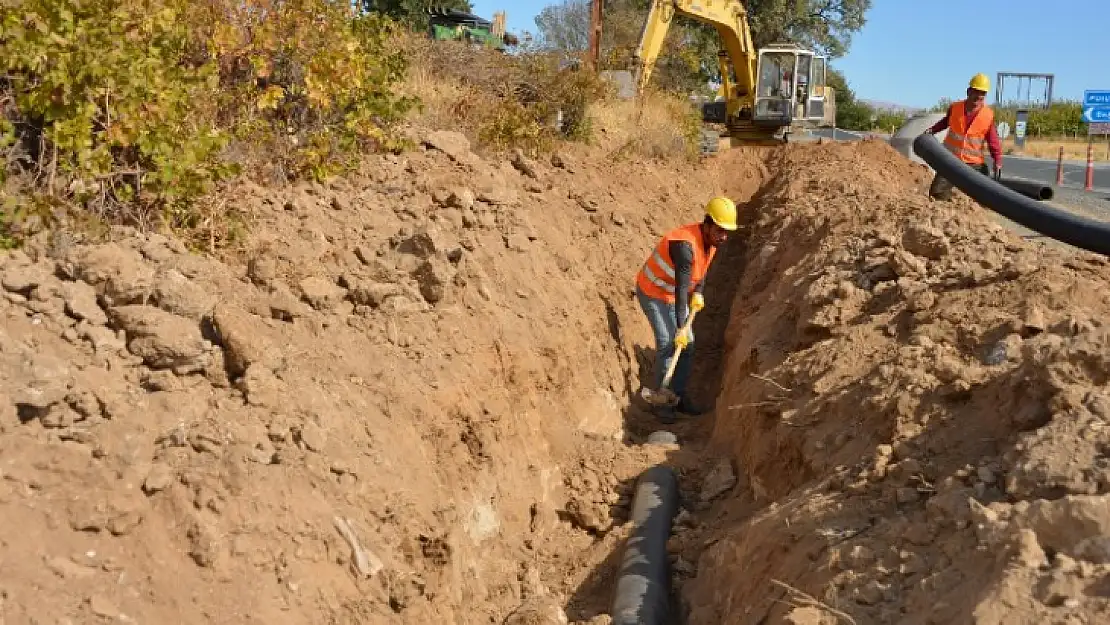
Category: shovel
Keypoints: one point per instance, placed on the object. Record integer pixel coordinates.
(664, 396)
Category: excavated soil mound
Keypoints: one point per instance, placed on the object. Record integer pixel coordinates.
(405, 402)
(913, 409)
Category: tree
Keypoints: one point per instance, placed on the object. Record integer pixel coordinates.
(565, 26)
(688, 60)
(826, 26)
(851, 114)
(413, 12)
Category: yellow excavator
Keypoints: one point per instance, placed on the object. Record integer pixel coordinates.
(767, 95)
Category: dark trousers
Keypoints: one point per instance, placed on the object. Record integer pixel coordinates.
(941, 189)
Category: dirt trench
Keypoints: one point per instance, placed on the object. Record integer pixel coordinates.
(912, 409)
(403, 399)
(407, 399)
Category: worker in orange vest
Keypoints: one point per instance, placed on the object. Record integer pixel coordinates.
(971, 128)
(670, 285)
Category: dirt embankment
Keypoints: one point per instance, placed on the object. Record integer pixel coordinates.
(433, 357)
(913, 399)
(432, 361)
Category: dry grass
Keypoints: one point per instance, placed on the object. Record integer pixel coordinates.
(658, 126)
(1074, 149)
(505, 102)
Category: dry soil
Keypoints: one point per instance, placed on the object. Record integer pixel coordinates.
(409, 400)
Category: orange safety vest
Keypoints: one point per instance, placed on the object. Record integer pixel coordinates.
(968, 143)
(657, 277)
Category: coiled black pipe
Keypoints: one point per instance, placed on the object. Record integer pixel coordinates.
(1082, 232)
(642, 595)
(1029, 189)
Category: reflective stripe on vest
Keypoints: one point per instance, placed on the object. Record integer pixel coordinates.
(966, 142)
(657, 277)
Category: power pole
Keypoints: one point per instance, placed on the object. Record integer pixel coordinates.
(594, 53)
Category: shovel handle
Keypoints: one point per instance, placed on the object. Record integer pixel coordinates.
(678, 352)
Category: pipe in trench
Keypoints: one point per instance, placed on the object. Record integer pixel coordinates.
(1082, 232)
(1029, 189)
(643, 589)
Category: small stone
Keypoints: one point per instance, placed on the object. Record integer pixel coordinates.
(103, 608)
(925, 241)
(1034, 321)
(321, 293)
(860, 556)
(23, 279)
(163, 340)
(125, 523)
(80, 303)
(517, 242)
(460, 198)
(807, 615)
(986, 475)
(159, 478)
(719, 481)
(433, 278)
(68, 569)
(313, 436)
(871, 593)
(451, 143)
(523, 164)
(906, 495)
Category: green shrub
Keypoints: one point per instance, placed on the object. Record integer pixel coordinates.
(128, 108)
(102, 93)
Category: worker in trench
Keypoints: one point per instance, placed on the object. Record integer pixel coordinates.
(971, 128)
(670, 285)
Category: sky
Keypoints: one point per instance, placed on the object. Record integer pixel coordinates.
(898, 56)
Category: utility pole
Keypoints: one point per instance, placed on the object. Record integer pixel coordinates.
(594, 53)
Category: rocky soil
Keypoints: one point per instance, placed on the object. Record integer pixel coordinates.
(914, 401)
(408, 399)
(404, 402)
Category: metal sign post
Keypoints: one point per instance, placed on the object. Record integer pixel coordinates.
(1020, 123)
(1096, 113)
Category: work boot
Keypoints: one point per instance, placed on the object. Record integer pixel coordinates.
(687, 407)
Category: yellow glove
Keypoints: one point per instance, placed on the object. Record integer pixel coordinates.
(697, 302)
(682, 339)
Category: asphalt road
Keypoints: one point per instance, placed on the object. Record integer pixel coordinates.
(1038, 169)
(1044, 170)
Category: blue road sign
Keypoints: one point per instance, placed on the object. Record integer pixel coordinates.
(1096, 98)
(1096, 114)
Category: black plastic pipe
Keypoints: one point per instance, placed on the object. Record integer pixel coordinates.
(1029, 189)
(643, 590)
(1082, 232)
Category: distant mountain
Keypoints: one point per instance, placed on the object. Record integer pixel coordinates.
(893, 107)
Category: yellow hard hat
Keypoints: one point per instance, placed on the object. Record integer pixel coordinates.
(722, 211)
(980, 82)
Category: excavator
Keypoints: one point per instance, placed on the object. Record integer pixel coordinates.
(767, 94)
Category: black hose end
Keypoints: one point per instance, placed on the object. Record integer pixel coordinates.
(642, 594)
(1082, 232)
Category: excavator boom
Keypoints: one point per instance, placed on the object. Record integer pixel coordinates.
(728, 17)
(764, 91)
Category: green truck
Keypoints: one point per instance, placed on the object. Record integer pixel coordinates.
(453, 25)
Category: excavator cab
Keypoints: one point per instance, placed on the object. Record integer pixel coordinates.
(791, 86)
